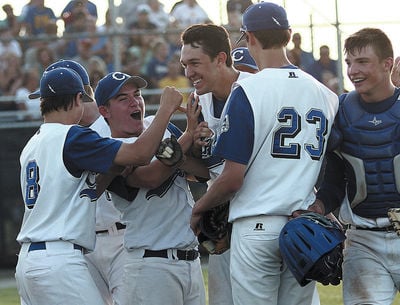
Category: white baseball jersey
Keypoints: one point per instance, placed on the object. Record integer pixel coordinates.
(215, 165)
(159, 218)
(60, 204)
(106, 213)
(290, 130)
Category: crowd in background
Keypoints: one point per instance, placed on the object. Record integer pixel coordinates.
(151, 49)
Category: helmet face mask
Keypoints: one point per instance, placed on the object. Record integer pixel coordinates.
(311, 246)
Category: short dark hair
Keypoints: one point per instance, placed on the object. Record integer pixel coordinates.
(212, 38)
(56, 103)
(373, 37)
(273, 38)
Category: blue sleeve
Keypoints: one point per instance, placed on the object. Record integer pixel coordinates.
(236, 141)
(84, 150)
(173, 129)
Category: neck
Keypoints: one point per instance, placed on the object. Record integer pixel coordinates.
(223, 88)
(271, 58)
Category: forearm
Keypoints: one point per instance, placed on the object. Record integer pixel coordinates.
(223, 188)
(143, 149)
(150, 176)
(332, 191)
(195, 167)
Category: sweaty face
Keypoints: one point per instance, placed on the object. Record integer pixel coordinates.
(368, 74)
(125, 112)
(201, 71)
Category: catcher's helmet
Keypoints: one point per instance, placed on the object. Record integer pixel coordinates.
(311, 246)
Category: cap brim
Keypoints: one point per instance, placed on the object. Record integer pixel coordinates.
(247, 65)
(34, 95)
(240, 38)
(138, 81)
(86, 98)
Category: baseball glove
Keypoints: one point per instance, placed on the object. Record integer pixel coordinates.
(215, 229)
(328, 269)
(170, 152)
(394, 218)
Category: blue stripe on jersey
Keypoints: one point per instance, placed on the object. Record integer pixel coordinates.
(84, 150)
(236, 144)
(173, 129)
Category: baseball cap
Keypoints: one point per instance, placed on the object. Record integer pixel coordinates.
(264, 16)
(67, 63)
(61, 81)
(109, 85)
(241, 56)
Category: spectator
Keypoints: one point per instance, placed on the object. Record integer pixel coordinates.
(173, 38)
(175, 77)
(44, 58)
(139, 26)
(78, 25)
(30, 83)
(101, 45)
(11, 21)
(238, 5)
(157, 66)
(10, 71)
(132, 64)
(128, 11)
(158, 15)
(300, 58)
(235, 9)
(85, 54)
(74, 7)
(189, 12)
(8, 44)
(325, 63)
(37, 17)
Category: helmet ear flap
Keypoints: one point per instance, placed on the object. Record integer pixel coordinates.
(311, 246)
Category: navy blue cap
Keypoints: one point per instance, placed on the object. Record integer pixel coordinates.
(241, 56)
(66, 63)
(264, 16)
(61, 81)
(109, 85)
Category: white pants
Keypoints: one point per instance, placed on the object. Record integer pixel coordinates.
(258, 274)
(106, 265)
(167, 281)
(219, 279)
(55, 275)
(371, 267)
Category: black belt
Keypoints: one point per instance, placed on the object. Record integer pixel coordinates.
(41, 245)
(119, 226)
(382, 229)
(189, 255)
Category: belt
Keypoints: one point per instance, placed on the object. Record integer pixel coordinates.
(119, 226)
(381, 229)
(188, 255)
(41, 245)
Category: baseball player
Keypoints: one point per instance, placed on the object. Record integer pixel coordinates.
(243, 61)
(205, 56)
(273, 135)
(219, 290)
(106, 261)
(58, 166)
(163, 265)
(361, 171)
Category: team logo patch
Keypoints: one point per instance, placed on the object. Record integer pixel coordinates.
(375, 121)
(225, 124)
